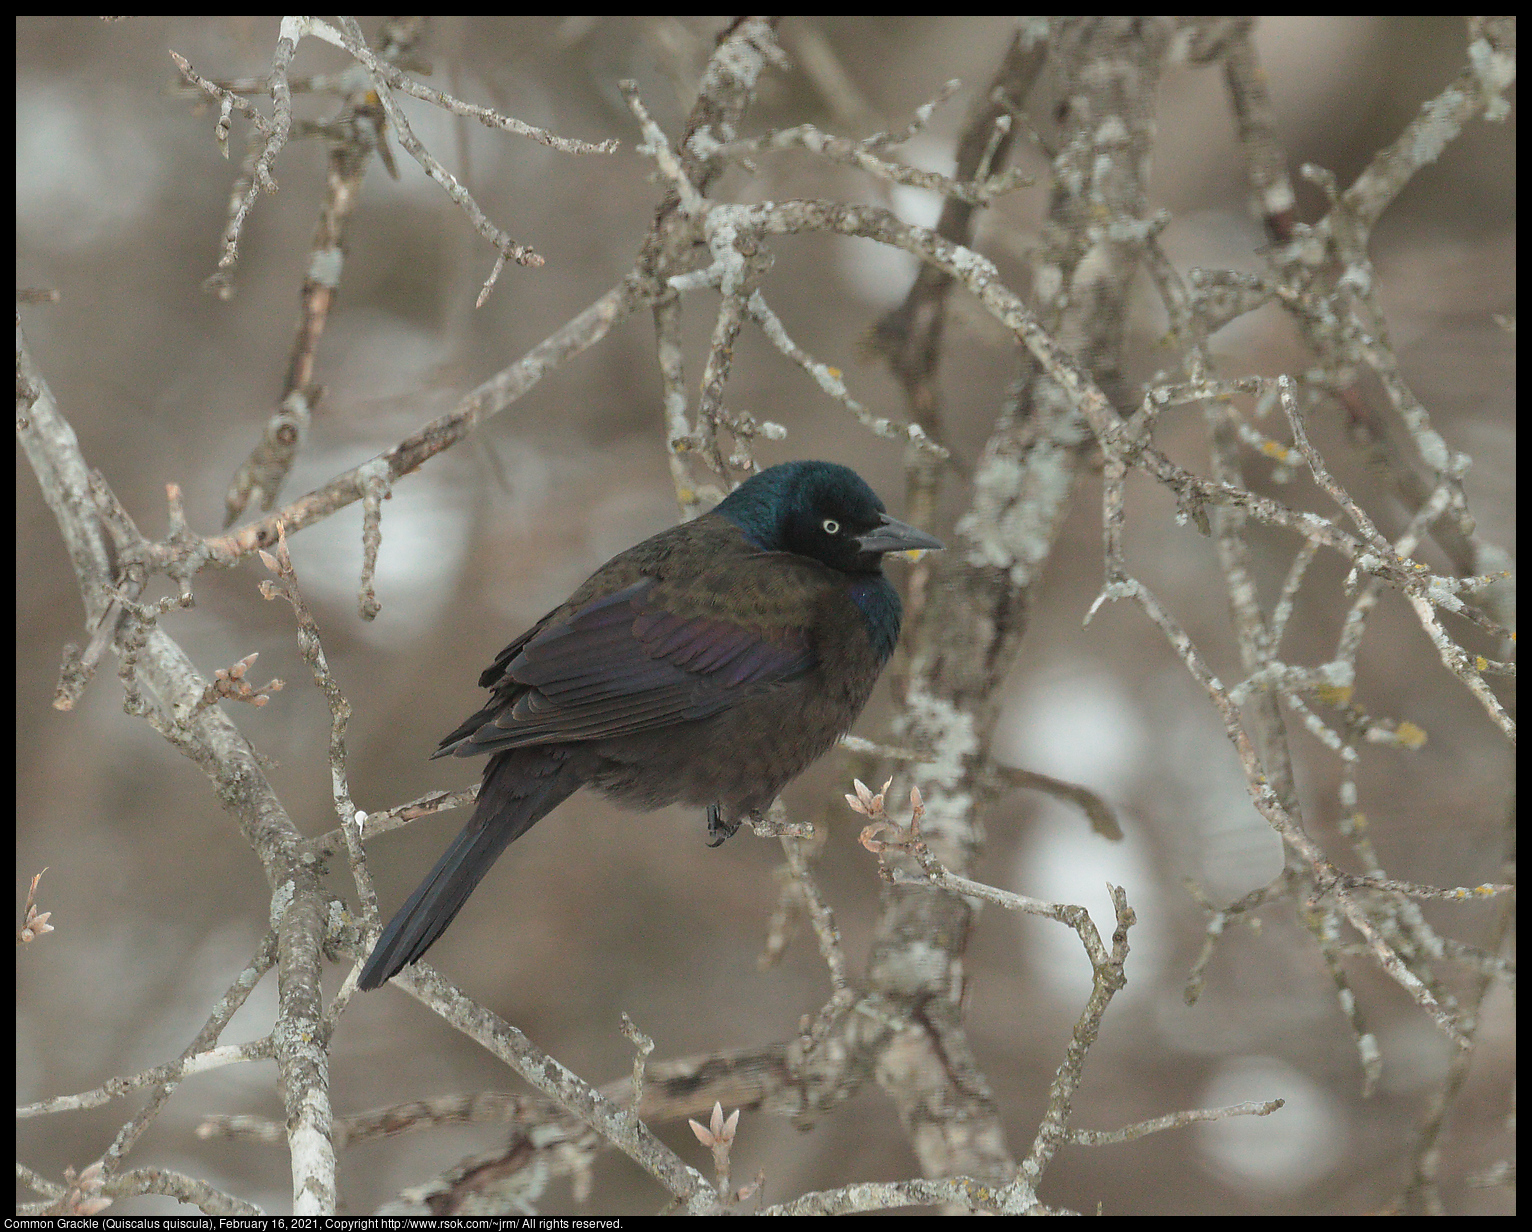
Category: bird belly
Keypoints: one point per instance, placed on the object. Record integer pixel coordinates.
(739, 758)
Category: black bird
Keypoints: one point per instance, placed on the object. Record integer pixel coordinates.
(709, 664)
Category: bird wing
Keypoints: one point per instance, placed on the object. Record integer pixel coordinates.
(626, 663)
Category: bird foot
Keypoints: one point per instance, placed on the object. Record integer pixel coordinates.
(720, 828)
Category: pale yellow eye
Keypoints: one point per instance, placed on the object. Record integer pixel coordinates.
(830, 526)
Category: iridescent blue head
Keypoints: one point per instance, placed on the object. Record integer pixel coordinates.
(823, 510)
(826, 511)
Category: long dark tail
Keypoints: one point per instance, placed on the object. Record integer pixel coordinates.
(520, 787)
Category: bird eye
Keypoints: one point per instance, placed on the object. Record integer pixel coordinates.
(830, 526)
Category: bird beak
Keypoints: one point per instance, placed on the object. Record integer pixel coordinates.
(892, 535)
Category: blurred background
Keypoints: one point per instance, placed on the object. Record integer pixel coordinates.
(157, 902)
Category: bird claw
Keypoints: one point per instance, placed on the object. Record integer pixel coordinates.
(718, 829)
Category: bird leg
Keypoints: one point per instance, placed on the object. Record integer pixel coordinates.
(719, 828)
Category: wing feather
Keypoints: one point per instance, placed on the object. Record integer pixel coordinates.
(625, 663)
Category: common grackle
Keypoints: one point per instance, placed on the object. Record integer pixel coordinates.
(709, 664)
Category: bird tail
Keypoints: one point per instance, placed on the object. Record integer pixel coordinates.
(520, 787)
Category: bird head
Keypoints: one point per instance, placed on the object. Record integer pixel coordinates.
(821, 510)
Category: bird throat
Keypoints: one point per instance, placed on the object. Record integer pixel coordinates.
(878, 601)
